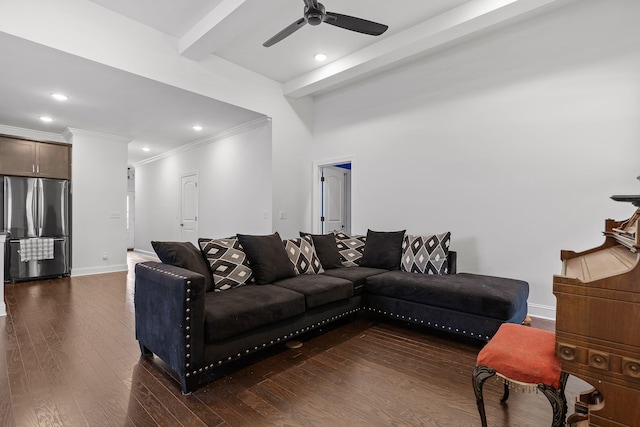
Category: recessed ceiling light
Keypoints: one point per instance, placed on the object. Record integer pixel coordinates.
(46, 119)
(59, 96)
(197, 128)
(146, 149)
(320, 57)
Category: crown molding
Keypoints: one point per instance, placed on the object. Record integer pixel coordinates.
(69, 133)
(242, 128)
(32, 134)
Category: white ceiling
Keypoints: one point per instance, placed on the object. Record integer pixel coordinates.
(105, 100)
(255, 21)
(112, 101)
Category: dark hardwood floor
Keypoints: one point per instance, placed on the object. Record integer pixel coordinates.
(70, 358)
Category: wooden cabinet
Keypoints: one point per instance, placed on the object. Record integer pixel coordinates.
(597, 318)
(30, 158)
(53, 161)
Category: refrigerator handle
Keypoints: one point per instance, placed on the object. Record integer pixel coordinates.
(30, 207)
(40, 204)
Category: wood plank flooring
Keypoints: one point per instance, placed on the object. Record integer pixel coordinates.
(70, 358)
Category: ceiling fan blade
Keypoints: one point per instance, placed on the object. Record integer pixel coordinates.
(355, 24)
(285, 33)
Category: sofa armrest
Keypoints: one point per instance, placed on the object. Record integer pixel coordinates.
(169, 313)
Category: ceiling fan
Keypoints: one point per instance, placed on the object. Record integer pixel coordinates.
(315, 14)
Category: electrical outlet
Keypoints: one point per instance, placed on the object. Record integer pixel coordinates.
(283, 214)
(105, 256)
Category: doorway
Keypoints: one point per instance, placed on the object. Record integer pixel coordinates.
(189, 207)
(335, 198)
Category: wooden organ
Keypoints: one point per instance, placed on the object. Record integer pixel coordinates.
(598, 324)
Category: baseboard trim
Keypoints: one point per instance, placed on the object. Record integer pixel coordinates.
(75, 272)
(542, 311)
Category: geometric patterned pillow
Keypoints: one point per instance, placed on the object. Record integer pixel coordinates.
(350, 248)
(303, 255)
(229, 264)
(426, 254)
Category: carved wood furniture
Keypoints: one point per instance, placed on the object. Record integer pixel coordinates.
(523, 357)
(598, 324)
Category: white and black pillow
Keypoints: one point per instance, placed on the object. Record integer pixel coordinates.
(229, 264)
(426, 254)
(351, 248)
(302, 254)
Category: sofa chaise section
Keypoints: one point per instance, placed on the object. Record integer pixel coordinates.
(467, 304)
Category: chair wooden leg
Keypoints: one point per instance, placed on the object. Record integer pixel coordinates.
(505, 395)
(557, 399)
(480, 375)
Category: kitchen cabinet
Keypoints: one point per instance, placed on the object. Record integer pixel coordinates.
(30, 158)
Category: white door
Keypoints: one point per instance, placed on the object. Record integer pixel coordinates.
(189, 208)
(336, 199)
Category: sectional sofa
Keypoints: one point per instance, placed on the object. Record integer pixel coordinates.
(200, 308)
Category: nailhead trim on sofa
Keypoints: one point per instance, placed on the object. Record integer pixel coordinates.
(422, 322)
(274, 341)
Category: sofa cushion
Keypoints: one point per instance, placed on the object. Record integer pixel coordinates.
(184, 255)
(248, 307)
(267, 257)
(326, 249)
(350, 248)
(426, 254)
(318, 289)
(355, 275)
(228, 262)
(383, 249)
(488, 296)
(303, 255)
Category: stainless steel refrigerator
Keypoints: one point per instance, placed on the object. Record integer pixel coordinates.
(36, 216)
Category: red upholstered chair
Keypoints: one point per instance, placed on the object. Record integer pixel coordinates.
(523, 357)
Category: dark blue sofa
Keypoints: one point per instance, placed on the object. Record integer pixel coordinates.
(195, 331)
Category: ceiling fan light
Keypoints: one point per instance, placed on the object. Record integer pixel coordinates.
(320, 57)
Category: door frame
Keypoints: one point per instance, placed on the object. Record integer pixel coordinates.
(316, 202)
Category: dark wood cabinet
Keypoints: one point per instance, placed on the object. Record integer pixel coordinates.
(30, 158)
(597, 318)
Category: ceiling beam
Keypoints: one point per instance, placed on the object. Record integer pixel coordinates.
(203, 37)
(456, 25)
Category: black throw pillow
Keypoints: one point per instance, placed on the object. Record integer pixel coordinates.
(326, 249)
(383, 249)
(267, 257)
(184, 255)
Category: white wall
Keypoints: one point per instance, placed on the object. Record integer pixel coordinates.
(235, 182)
(513, 141)
(99, 189)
